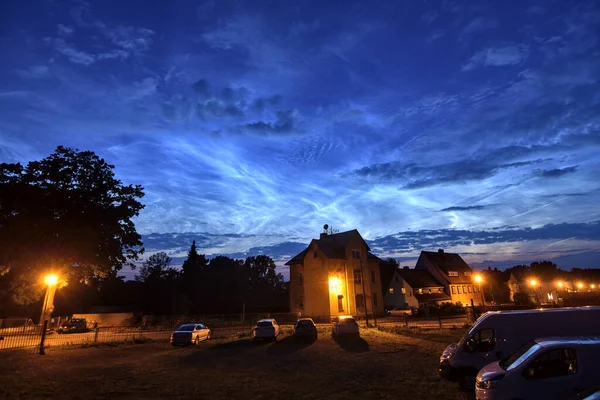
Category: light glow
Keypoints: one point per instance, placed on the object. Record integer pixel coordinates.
(51, 279)
(560, 284)
(334, 284)
(533, 282)
(478, 278)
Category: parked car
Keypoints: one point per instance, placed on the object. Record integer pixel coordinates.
(188, 334)
(550, 368)
(345, 325)
(498, 334)
(401, 312)
(305, 328)
(74, 325)
(266, 329)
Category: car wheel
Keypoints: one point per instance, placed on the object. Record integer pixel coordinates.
(197, 341)
(208, 336)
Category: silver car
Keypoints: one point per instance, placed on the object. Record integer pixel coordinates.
(190, 334)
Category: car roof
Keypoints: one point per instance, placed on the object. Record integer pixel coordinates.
(559, 341)
(266, 320)
(345, 316)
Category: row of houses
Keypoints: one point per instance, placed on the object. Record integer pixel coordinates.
(338, 274)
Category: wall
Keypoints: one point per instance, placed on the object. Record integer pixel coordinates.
(296, 289)
(107, 319)
(316, 284)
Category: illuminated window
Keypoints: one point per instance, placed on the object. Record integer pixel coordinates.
(439, 290)
(464, 289)
(391, 290)
(340, 303)
(403, 290)
(357, 276)
(550, 296)
(429, 290)
(469, 288)
(452, 273)
(420, 291)
(458, 289)
(453, 289)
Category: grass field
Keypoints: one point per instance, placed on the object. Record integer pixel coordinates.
(379, 365)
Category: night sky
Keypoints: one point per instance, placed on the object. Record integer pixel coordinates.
(472, 126)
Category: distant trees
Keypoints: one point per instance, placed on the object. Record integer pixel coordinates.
(67, 213)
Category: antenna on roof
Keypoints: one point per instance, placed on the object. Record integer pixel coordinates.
(325, 227)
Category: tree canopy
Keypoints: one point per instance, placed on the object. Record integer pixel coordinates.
(67, 213)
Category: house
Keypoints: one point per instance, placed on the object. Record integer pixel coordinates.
(426, 290)
(540, 291)
(335, 275)
(454, 274)
(399, 293)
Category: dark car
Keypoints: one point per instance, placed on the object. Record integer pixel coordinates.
(305, 328)
(74, 325)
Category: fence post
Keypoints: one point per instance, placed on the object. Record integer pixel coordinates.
(43, 339)
(406, 320)
(96, 335)
(440, 319)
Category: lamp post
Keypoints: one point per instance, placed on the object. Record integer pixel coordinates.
(478, 280)
(533, 284)
(51, 280)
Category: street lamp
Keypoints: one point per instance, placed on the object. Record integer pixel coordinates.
(478, 279)
(560, 284)
(51, 280)
(580, 285)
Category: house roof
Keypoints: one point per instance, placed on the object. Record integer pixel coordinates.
(334, 246)
(418, 278)
(447, 261)
(372, 256)
(427, 297)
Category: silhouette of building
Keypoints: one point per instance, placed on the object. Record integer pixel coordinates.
(335, 275)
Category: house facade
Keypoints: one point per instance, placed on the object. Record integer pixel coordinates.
(400, 294)
(335, 275)
(454, 274)
(425, 288)
(540, 291)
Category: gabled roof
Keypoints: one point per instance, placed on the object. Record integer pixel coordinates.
(418, 278)
(447, 261)
(334, 246)
(371, 256)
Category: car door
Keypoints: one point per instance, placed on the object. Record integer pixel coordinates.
(480, 348)
(553, 374)
(203, 331)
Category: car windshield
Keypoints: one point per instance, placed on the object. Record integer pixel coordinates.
(347, 321)
(305, 323)
(187, 327)
(519, 356)
(265, 324)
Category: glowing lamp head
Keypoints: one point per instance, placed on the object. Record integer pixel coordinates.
(580, 285)
(51, 279)
(560, 284)
(533, 282)
(334, 284)
(593, 286)
(478, 278)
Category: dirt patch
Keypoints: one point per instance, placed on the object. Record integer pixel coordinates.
(376, 365)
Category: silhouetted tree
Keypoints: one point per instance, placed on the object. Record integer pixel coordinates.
(386, 271)
(192, 270)
(156, 268)
(72, 210)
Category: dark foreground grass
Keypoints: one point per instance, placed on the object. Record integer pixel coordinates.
(378, 365)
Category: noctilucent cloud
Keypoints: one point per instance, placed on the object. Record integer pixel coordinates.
(472, 126)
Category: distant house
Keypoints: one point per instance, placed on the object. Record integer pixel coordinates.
(425, 288)
(399, 293)
(540, 291)
(454, 274)
(335, 275)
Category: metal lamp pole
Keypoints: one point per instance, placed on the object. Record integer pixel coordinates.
(48, 306)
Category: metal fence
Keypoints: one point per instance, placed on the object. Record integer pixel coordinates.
(24, 338)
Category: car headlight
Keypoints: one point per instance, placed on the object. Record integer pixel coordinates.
(490, 383)
(446, 355)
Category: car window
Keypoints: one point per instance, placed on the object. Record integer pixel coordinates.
(347, 321)
(504, 364)
(305, 323)
(552, 364)
(187, 327)
(482, 340)
(265, 324)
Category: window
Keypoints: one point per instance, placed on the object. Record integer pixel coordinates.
(467, 273)
(420, 291)
(469, 287)
(315, 254)
(356, 254)
(439, 290)
(464, 289)
(373, 276)
(340, 303)
(452, 273)
(453, 289)
(300, 278)
(301, 303)
(458, 289)
(360, 302)
(403, 290)
(396, 279)
(483, 340)
(552, 364)
(429, 290)
(357, 276)
(391, 290)
(374, 299)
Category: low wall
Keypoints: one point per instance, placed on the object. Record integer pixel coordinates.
(107, 319)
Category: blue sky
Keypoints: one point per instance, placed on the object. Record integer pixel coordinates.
(473, 126)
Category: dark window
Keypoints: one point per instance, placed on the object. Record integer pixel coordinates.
(396, 279)
(301, 303)
(300, 278)
(429, 290)
(360, 301)
(483, 340)
(453, 289)
(357, 276)
(340, 303)
(374, 299)
(553, 363)
(355, 254)
(373, 276)
(469, 288)
(315, 254)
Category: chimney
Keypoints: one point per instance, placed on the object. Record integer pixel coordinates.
(323, 235)
(441, 251)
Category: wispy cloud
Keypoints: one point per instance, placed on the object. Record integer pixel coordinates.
(467, 208)
(498, 56)
(555, 173)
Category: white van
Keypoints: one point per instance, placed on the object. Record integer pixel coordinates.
(498, 334)
(551, 368)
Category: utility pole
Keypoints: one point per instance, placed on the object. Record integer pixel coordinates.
(362, 277)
